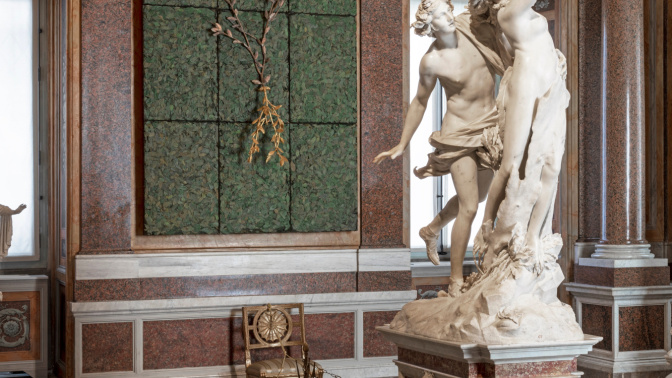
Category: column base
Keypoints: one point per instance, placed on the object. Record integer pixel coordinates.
(622, 273)
(420, 355)
(622, 252)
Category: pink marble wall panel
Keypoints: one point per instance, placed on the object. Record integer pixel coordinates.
(382, 55)
(641, 328)
(184, 287)
(622, 277)
(106, 126)
(174, 344)
(384, 281)
(596, 321)
(375, 344)
(623, 124)
(590, 103)
(107, 347)
(331, 336)
(535, 369)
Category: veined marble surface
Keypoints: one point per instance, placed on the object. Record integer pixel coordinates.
(100, 267)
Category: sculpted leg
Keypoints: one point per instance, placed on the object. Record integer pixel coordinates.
(549, 183)
(465, 178)
(519, 114)
(430, 233)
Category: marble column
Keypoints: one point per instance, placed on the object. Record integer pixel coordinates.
(622, 131)
(621, 293)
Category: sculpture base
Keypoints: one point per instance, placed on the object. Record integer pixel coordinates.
(419, 355)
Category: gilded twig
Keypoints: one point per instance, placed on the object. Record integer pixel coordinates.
(267, 112)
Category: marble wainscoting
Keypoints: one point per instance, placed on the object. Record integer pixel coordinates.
(201, 337)
(180, 313)
(185, 275)
(634, 322)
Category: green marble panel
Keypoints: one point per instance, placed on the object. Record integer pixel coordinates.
(323, 69)
(181, 184)
(324, 177)
(254, 197)
(180, 64)
(238, 97)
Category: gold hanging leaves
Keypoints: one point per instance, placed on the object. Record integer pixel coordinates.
(268, 114)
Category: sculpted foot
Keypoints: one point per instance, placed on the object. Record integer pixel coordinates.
(455, 288)
(430, 241)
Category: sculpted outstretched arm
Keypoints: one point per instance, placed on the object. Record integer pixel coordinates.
(415, 112)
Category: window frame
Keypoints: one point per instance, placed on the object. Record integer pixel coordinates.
(40, 144)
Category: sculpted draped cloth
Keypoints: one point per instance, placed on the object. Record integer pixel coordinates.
(481, 135)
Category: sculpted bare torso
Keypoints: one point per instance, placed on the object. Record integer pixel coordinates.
(469, 86)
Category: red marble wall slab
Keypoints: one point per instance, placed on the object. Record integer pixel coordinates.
(214, 286)
(596, 321)
(107, 347)
(590, 118)
(172, 344)
(622, 277)
(382, 101)
(106, 180)
(375, 344)
(384, 281)
(641, 328)
(443, 365)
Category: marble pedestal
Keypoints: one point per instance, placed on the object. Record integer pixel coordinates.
(418, 355)
(629, 304)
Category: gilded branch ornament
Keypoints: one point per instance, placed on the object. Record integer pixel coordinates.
(268, 113)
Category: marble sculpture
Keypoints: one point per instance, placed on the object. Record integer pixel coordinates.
(513, 297)
(6, 230)
(468, 79)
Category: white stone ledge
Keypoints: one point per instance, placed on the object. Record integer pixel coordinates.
(198, 264)
(629, 263)
(99, 267)
(379, 260)
(634, 293)
(231, 306)
(497, 354)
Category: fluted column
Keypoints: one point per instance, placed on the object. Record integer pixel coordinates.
(622, 208)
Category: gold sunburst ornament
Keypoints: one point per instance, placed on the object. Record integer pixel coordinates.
(272, 325)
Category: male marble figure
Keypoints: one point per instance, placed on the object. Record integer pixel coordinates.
(6, 227)
(468, 79)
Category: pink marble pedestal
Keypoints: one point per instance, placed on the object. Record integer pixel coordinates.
(418, 355)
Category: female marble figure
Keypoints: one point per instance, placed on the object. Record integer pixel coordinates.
(469, 84)
(533, 102)
(6, 227)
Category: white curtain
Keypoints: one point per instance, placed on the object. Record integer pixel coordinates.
(17, 131)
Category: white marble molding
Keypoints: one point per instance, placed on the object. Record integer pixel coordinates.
(100, 267)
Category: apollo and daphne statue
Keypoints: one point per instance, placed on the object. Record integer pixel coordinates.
(520, 137)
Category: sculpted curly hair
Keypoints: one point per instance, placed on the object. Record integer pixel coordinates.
(485, 10)
(423, 23)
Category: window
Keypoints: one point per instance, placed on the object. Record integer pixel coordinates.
(423, 205)
(20, 123)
